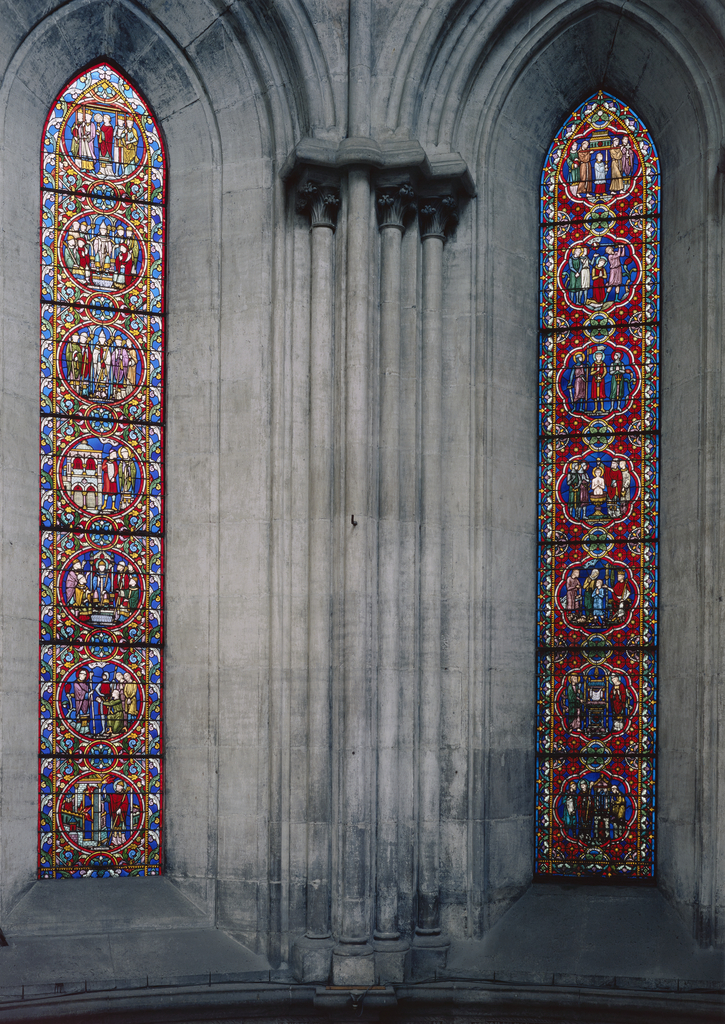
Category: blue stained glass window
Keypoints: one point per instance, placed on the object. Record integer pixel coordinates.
(101, 502)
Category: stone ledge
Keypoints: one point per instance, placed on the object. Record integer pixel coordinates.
(590, 937)
(39, 966)
(107, 905)
(387, 156)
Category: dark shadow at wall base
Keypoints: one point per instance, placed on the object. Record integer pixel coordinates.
(405, 1004)
(138, 950)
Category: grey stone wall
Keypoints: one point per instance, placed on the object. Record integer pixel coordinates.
(459, 99)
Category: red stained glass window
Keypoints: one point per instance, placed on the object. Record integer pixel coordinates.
(598, 497)
(101, 465)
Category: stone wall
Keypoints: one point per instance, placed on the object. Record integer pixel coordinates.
(351, 447)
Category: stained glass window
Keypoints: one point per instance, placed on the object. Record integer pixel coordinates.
(101, 512)
(598, 503)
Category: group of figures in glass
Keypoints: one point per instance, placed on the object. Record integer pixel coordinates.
(597, 577)
(101, 482)
(103, 141)
(101, 364)
(599, 381)
(600, 164)
(101, 587)
(101, 700)
(101, 253)
(598, 488)
(596, 702)
(598, 276)
(598, 595)
(594, 811)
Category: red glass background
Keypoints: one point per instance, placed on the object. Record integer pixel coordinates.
(598, 498)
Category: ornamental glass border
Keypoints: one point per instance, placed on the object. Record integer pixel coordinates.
(102, 327)
(599, 321)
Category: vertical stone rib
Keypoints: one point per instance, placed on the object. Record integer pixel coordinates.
(430, 593)
(320, 585)
(434, 216)
(320, 202)
(388, 561)
(360, 65)
(392, 204)
(356, 743)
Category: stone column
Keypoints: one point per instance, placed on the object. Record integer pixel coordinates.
(393, 204)
(436, 216)
(353, 956)
(312, 954)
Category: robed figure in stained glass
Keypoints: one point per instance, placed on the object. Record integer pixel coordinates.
(599, 461)
(102, 343)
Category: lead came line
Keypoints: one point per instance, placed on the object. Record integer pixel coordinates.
(598, 502)
(101, 601)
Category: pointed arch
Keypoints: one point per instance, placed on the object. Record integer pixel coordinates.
(103, 224)
(598, 497)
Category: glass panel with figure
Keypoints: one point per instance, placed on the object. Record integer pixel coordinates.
(101, 501)
(598, 498)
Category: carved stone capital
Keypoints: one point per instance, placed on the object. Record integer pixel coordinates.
(438, 215)
(394, 204)
(319, 202)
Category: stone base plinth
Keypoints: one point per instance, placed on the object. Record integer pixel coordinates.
(311, 959)
(390, 961)
(353, 965)
(428, 956)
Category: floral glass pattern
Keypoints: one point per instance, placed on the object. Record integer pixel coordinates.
(598, 498)
(101, 467)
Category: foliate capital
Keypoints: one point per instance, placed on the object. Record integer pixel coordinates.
(438, 216)
(319, 202)
(394, 204)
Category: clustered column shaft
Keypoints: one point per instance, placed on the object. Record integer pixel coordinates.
(367, 540)
(435, 217)
(356, 805)
(393, 204)
(320, 202)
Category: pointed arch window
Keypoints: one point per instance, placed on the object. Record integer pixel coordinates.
(101, 504)
(598, 497)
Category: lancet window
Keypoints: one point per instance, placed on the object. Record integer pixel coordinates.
(598, 497)
(103, 197)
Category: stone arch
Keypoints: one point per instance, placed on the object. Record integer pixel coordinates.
(48, 56)
(402, 72)
(516, 94)
(284, 47)
(447, 50)
(207, 139)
